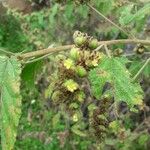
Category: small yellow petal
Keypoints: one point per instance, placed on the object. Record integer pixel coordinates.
(68, 63)
(71, 85)
(75, 118)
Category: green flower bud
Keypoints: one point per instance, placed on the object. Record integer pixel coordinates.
(74, 53)
(80, 96)
(73, 106)
(56, 96)
(81, 71)
(79, 41)
(93, 44)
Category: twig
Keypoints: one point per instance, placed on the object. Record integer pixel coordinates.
(67, 47)
(133, 54)
(6, 52)
(37, 59)
(107, 51)
(114, 24)
(128, 55)
(147, 53)
(99, 47)
(142, 68)
(125, 41)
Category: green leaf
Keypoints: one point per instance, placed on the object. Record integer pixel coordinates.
(10, 70)
(143, 139)
(83, 11)
(56, 120)
(105, 6)
(98, 78)
(122, 87)
(136, 66)
(29, 73)
(68, 11)
(53, 13)
(76, 128)
(141, 12)
(127, 17)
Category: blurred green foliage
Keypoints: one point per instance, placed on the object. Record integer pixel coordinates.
(12, 36)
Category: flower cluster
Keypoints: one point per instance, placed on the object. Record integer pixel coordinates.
(72, 87)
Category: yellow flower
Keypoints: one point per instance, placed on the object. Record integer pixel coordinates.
(71, 85)
(114, 126)
(75, 118)
(95, 62)
(68, 63)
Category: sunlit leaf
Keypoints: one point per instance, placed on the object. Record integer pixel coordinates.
(123, 88)
(10, 70)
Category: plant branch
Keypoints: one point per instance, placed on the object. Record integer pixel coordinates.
(142, 68)
(125, 41)
(133, 54)
(45, 51)
(67, 47)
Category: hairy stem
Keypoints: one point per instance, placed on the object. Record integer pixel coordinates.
(45, 51)
(67, 47)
